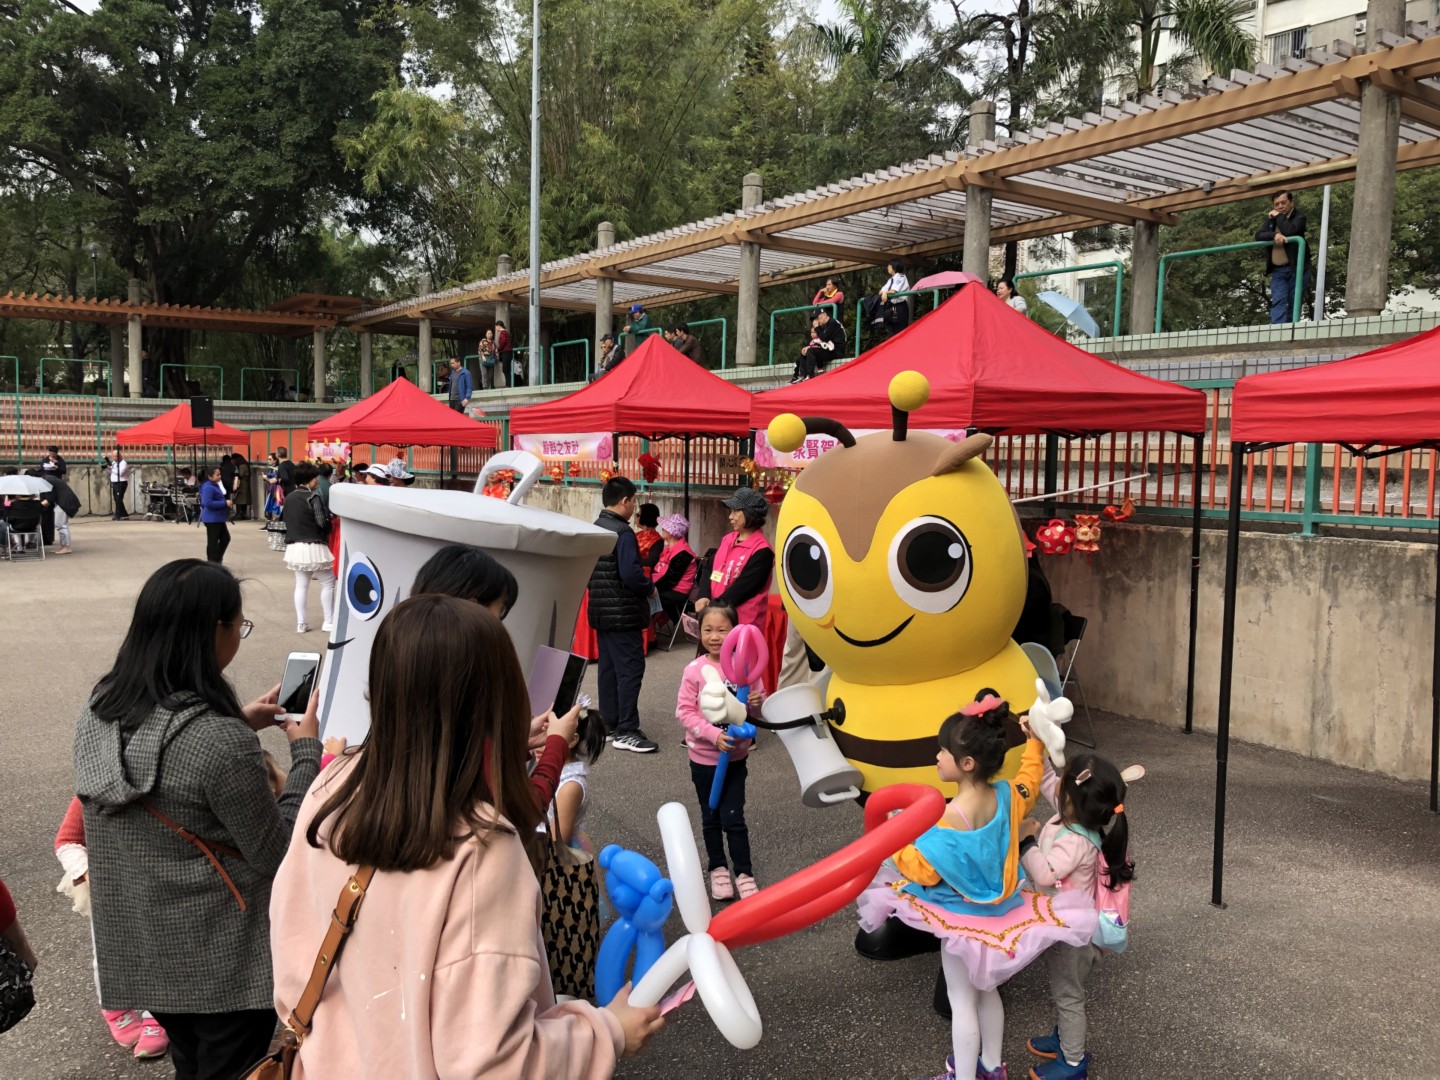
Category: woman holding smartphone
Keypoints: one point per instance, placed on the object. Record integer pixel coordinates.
(181, 917)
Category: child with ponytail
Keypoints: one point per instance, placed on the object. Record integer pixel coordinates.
(1082, 850)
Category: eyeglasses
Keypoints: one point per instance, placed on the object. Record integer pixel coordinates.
(245, 627)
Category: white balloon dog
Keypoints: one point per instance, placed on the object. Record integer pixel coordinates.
(722, 988)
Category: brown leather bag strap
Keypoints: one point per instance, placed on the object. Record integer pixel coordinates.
(342, 920)
(207, 847)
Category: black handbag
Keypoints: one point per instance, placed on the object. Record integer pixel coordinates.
(17, 990)
(570, 920)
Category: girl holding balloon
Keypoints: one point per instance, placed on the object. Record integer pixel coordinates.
(714, 674)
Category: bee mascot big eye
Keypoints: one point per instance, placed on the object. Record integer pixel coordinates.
(903, 568)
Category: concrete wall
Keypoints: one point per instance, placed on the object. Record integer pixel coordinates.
(1333, 639)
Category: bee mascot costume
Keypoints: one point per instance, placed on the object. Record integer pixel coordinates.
(903, 568)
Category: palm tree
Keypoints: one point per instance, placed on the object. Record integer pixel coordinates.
(1211, 33)
(875, 32)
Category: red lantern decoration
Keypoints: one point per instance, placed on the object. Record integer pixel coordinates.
(1087, 532)
(649, 468)
(774, 493)
(1055, 538)
(1119, 513)
(556, 473)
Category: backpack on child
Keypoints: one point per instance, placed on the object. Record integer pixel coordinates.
(1112, 928)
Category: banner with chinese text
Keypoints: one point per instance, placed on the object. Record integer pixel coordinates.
(585, 446)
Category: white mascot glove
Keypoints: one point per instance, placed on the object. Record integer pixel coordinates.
(1045, 719)
(78, 892)
(717, 703)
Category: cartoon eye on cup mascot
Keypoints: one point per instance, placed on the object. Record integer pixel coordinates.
(387, 535)
(903, 568)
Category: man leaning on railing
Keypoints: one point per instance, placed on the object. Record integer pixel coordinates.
(1284, 220)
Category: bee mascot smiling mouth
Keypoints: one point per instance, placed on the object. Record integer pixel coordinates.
(903, 568)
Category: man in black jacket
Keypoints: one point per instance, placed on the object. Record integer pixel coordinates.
(1282, 260)
(827, 341)
(285, 471)
(619, 612)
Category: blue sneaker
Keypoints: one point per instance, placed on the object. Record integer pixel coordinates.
(1060, 1069)
(997, 1073)
(1046, 1046)
(948, 1074)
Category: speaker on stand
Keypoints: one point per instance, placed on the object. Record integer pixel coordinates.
(202, 416)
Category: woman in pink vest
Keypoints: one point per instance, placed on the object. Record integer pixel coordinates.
(675, 571)
(740, 576)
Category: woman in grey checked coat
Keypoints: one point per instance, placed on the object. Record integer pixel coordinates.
(182, 919)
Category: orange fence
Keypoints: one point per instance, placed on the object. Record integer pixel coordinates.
(1308, 485)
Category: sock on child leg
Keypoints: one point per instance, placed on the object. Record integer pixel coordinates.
(964, 1014)
(991, 1011)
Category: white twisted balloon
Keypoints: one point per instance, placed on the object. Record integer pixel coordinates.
(722, 988)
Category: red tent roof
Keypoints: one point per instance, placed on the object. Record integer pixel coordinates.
(655, 392)
(404, 415)
(173, 428)
(1389, 396)
(992, 368)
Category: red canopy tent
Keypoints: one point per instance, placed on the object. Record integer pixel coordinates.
(991, 368)
(404, 415)
(1387, 398)
(656, 393)
(173, 427)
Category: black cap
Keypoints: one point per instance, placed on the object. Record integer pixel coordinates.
(748, 499)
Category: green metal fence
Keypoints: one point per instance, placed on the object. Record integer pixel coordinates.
(195, 367)
(724, 336)
(860, 318)
(1117, 266)
(550, 360)
(294, 379)
(1297, 298)
(835, 313)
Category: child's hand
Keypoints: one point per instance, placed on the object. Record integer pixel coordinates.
(724, 742)
(638, 1023)
(335, 745)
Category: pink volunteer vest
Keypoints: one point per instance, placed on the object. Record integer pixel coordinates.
(729, 561)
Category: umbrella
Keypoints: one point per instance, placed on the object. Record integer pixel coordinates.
(23, 485)
(1073, 310)
(946, 279)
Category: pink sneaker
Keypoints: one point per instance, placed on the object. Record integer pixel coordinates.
(153, 1041)
(721, 887)
(745, 885)
(125, 1025)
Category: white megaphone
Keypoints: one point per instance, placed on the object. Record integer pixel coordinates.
(798, 715)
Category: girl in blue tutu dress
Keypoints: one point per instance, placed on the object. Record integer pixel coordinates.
(962, 881)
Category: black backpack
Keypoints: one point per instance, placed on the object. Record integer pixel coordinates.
(17, 992)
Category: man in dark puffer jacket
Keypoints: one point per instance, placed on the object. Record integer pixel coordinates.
(619, 612)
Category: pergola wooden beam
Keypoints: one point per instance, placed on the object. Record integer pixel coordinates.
(1121, 213)
(665, 281)
(182, 316)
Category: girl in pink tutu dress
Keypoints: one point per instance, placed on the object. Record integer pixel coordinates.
(962, 881)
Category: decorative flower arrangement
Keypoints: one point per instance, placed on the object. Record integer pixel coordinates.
(501, 483)
(1087, 532)
(1059, 537)
(649, 467)
(774, 484)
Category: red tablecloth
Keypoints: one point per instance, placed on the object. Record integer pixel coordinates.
(777, 625)
(584, 643)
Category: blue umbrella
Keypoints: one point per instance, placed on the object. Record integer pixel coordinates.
(1072, 310)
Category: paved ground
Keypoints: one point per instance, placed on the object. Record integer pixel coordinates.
(1324, 964)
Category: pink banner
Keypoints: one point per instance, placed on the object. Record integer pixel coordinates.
(585, 446)
(767, 457)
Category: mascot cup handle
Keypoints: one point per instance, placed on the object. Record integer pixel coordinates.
(527, 468)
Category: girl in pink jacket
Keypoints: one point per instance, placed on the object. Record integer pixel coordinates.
(444, 973)
(1084, 848)
(706, 743)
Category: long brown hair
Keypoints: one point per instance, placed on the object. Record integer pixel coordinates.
(445, 759)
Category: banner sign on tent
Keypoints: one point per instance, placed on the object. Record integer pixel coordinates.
(327, 451)
(767, 457)
(584, 446)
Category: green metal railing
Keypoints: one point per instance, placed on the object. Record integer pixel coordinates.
(835, 313)
(294, 375)
(73, 360)
(15, 360)
(1299, 291)
(199, 367)
(1119, 269)
(724, 334)
(346, 380)
(550, 360)
(859, 316)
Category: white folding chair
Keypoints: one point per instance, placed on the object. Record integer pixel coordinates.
(1074, 634)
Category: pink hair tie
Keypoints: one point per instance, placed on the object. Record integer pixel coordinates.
(989, 703)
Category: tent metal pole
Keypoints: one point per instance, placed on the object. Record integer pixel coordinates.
(1194, 581)
(1435, 697)
(687, 477)
(1238, 451)
(1052, 472)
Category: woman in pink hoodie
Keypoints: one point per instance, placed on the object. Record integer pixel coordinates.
(444, 973)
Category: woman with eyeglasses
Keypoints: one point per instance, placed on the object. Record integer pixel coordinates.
(183, 830)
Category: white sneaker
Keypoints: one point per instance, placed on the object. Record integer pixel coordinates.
(327, 626)
(302, 628)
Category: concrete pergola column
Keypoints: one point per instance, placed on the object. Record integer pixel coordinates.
(503, 265)
(978, 199)
(747, 314)
(117, 348)
(133, 342)
(367, 362)
(1367, 282)
(1144, 276)
(425, 375)
(604, 291)
(318, 358)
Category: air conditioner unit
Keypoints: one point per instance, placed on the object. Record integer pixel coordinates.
(1359, 26)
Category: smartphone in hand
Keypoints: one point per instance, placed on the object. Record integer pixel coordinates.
(297, 683)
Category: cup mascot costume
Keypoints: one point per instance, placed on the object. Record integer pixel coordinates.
(390, 532)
